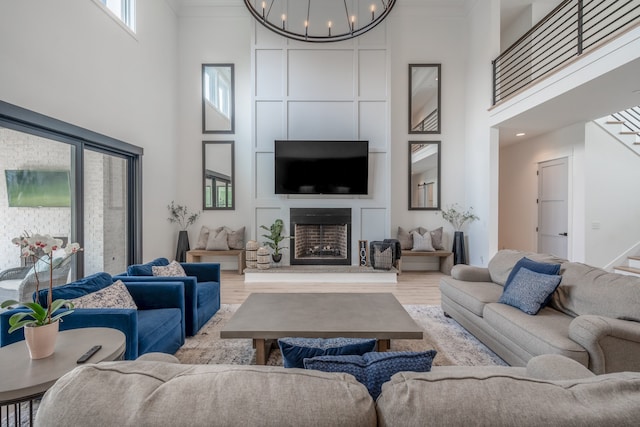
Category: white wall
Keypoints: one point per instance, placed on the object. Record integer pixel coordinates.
(518, 213)
(209, 35)
(70, 60)
(419, 34)
(612, 205)
(480, 143)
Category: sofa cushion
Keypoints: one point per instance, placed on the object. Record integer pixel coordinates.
(503, 399)
(153, 326)
(436, 239)
(538, 267)
(590, 290)
(113, 296)
(155, 393)
(545, 333)
(174, 269)
(77, 289)
(503, 262)
(529, 291)
(374, 369)
(405, 239)
(471, 295)
(146, 269)
(295, 350)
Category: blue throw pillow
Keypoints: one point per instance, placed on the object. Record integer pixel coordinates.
(146, 269)
(374, 369)
(295, 350)
(538, 267)
(77, 289)
(530, 291)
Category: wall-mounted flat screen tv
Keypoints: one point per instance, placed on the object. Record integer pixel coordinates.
(38, 188)
(321, 167)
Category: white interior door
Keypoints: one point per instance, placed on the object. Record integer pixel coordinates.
(553, 213)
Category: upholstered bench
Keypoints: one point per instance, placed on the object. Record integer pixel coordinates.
(195, 256)
(446, 259)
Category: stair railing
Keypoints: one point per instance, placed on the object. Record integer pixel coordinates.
(569, 30)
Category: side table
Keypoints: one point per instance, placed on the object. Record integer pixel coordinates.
(24, 379)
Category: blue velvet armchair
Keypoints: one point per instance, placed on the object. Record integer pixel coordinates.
(201, 288)
(158, 325)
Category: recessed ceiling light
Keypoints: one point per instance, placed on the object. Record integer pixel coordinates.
(520, 134)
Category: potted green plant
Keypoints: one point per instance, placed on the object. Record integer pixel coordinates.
(180, 215)
(274, 238)
(458, 217)
(40, 324)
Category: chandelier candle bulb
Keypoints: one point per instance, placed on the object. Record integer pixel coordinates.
(329, 25)
(353, 20)
(284, 18)
(373, 12)
(264, 4)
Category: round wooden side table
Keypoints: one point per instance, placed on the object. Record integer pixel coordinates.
(24, 379)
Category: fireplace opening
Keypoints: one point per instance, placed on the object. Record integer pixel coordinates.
(321, 236)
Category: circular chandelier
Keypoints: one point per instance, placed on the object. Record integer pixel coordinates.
(320, 20)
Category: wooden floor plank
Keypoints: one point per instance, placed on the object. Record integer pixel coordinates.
(413, 287)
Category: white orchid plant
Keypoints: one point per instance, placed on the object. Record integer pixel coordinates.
(41, 248)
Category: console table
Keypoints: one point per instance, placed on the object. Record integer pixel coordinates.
(24, 379)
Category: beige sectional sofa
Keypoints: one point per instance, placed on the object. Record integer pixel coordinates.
(593, 316)
(551, 390)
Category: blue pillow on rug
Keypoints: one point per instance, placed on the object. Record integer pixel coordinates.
(295, 350)
(530, 291)
(146, 269)
(535, 266)
(375, 368)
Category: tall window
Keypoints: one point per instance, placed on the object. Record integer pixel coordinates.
(125, 10)
(72, 183)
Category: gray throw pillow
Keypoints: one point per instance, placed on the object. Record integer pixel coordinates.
(217, 240)
(235, 239)
(203, 238)
(404, 237)
(436, 239)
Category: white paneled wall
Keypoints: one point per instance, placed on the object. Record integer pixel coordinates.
(334, 91)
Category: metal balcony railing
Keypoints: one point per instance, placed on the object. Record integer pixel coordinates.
(572, 28)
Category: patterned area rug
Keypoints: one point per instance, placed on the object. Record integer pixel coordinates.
(454, 344)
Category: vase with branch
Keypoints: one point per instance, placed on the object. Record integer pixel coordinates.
(40, 248)
(458, 217)
(179, 214)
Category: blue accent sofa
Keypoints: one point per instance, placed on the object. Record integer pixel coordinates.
(157, 326)
(201, 288)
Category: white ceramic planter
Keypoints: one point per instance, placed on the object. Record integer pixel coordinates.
(41, 340)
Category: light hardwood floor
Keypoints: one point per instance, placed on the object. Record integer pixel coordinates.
(413, 287)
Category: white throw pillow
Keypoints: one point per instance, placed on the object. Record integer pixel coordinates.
(217, 240)
(113, 296)
(422, 242)
(174, 269)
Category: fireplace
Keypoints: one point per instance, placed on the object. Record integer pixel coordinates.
(321, 236)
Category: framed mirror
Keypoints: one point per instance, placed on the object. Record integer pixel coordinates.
(424, 98)
(424, 175)
(218, 175)
(218, 98)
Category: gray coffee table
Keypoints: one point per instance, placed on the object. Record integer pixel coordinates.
(265, 317)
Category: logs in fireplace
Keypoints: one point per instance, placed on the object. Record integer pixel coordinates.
(321, 236)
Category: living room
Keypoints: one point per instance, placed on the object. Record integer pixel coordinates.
(77, 64)
(148, 96)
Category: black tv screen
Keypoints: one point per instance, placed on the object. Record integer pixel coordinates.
(321, 167)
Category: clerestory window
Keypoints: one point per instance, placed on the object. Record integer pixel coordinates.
(124, 10)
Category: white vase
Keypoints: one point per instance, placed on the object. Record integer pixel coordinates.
(41, 340)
